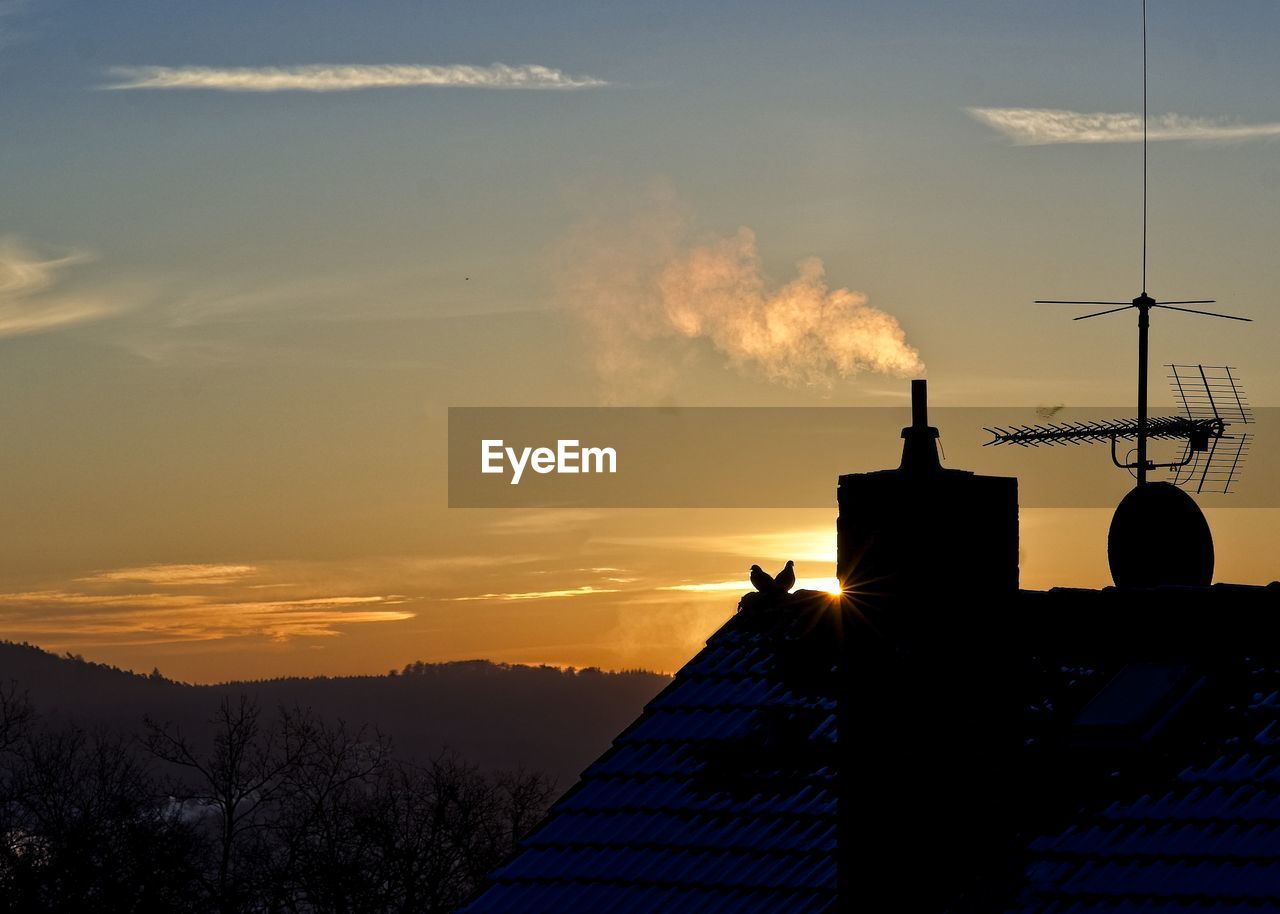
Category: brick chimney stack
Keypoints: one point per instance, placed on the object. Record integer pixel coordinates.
(923, 527)
(928, 558)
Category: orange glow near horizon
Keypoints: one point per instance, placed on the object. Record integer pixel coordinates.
(615, 590)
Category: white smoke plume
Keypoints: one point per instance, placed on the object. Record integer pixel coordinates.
(802, 332)
(641, 286)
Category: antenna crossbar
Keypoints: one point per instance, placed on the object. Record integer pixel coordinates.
(1160, 428)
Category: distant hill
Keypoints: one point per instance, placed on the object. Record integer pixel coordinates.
(493, 715)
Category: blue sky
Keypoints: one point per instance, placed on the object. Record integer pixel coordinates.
(832, 130)
(253, 308)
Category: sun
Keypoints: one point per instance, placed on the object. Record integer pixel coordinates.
(825, 585)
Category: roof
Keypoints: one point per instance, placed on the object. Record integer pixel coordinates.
(719, 797)
(1120, 753)
(1182, 812)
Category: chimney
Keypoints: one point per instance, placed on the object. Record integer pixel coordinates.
(922, 527)
(928, 558)
(919, 439)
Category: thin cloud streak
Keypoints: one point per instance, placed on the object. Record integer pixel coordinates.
(26, 302)
(802, 545)
(170, 618)
(537, 594)
(347, 77)
(1050, 126)
(173, 575)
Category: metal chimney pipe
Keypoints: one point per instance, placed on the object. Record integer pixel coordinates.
(919, 440)
(920, 404)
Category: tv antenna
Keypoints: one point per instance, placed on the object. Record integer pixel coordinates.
(1211, 401)
(1196, 431)
(1158, 534)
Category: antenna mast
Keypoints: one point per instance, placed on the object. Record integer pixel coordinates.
(1158, 534)
(1144, 147)
(1144, 302)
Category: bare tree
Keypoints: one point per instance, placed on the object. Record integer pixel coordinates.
(440, 828)
(289, 814)
(328, 855)
(435, 834)
(15, 721)
(85, 832)
(523, 798)
(235, 786)
(16, 715)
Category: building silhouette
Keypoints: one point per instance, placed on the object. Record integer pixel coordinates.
(937, 739)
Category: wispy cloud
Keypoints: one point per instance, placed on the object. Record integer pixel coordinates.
(712, 587)
(157, 618)
(27, 304)
(1047, 126)
(347, 77)
(175, 575)
(804, 544)
(553, 520)
(537, 594)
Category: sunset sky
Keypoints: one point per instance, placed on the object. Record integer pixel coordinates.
(250, 253)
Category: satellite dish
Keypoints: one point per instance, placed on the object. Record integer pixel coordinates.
(1159, 536)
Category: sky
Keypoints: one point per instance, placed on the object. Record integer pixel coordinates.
(251, 253)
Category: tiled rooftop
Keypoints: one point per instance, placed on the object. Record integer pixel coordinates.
(1146, 768)
(1193, 823)
(694, 808)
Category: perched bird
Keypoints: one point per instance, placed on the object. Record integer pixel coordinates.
(786, 579)
(761, 580)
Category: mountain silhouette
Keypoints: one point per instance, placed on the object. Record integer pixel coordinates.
(493, 715)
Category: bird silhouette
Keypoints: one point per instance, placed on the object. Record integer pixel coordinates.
(761, 580)
(786, 579)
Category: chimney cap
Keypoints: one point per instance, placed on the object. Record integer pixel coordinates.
(920, 439)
